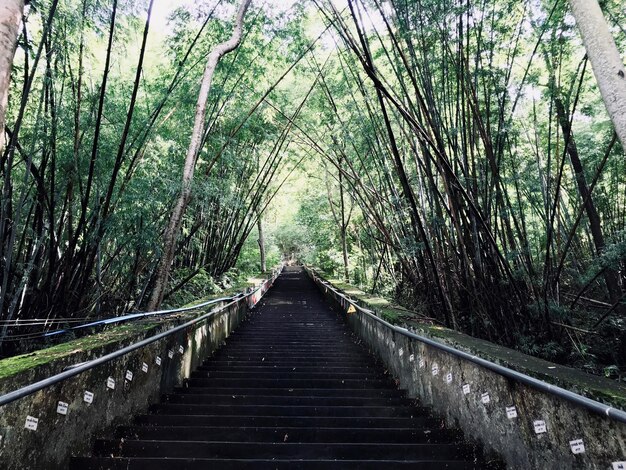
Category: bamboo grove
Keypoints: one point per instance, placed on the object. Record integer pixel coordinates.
(454, 155)
(490, 181)
(91, 169)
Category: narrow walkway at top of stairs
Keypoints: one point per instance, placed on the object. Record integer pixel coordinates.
(292, 388)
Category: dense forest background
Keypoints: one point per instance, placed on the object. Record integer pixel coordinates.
(456, 156)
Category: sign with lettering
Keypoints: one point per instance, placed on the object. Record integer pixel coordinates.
(31, 423)
(88, 397)
(157, 361)
(485, 398)
(466, 389)
(181, 349)
(411, 357)
(62, 408)
(449, 378)
(435, 369)
(144, 368)
(129, 376)
(511, 412)
(577, 446)
(111, 383)
(540, 426)
(170, 354)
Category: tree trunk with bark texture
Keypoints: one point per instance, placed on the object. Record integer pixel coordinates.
(173, 227)
(610, 275)
(261, 242)
(344, 231)
(605, 59)
(10, 18)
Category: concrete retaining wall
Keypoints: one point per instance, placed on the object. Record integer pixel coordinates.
(476, 400)
(59, 436)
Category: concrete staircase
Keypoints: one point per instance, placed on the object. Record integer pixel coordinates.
(291, 389)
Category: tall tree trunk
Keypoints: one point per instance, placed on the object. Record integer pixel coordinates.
(173, 227)
(261, 242)
(344, 230)
(610, 275)
(605, 60)
(10, 17)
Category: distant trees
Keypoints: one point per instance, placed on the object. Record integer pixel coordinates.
(90, 178)
(456, 147)
(469, 166)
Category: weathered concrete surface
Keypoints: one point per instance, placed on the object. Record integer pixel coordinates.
(513, 439)
(58, 436)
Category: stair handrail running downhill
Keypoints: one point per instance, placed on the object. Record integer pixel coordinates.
(588, 403)
(88, 365)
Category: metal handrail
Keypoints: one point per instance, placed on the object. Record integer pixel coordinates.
(134, 316)
(590, 404)
(82, 367)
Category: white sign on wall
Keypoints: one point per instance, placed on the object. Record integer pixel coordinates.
(31, 423)
(62, 408)
(511, 412)
(577, 446)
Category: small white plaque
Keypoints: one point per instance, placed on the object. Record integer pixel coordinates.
(181, 349)
(540, 426)
(401, 352)
(486, 399)
(422, 363)
(170, 354)
(511, 412)
(466, 389)
(129, 376)
(435, 370)
(62, 408)
(577, 446)
(157, 361)
(411, 357)
(619, 465)
(31, 423)
(449, 378)
(144, 368)
(88, 397)
(111, 383)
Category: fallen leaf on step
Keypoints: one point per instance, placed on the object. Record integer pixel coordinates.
(286, 437)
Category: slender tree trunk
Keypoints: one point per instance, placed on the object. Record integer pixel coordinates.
(610, 275)
(605, 59)
(344, 230)
(10, 17)
(261, 242)
(173, 227)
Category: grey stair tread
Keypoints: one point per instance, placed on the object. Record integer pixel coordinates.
(268, 450)
(290, 434)
(108, 463)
